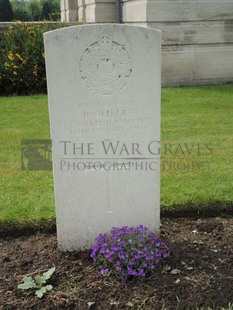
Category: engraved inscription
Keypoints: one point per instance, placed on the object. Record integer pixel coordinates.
(105, 66)
(102, 124)
(106, 117)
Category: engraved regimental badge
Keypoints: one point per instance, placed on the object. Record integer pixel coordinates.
(105, 66)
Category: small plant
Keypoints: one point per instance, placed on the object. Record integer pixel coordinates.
(38, 284)
(129, 251)
(71, 284)
(166, 268)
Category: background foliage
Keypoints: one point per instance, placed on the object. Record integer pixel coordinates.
(29, 10)
(22, 66)
(6, 12)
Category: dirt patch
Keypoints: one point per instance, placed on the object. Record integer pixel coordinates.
(201, 249)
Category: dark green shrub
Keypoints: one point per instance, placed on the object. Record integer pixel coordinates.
(55, 16)
(46, 10)
(22, 66)
(33, 8)
(19, 9)
(6, 12)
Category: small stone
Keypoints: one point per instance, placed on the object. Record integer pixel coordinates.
(129, 304)
(176, 271)
(90, 304)
(198, 242)
(177, 281)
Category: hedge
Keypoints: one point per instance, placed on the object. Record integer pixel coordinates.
(22, 66)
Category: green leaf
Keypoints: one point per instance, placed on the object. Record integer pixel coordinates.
(49, 288)
(40, 293)
(40, 280)
(49, 273)
(27, 284)
(190, 279)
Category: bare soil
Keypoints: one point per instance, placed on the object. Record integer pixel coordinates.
(201, 250)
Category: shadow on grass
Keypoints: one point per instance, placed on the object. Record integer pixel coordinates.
(212, 209)
(202, 210)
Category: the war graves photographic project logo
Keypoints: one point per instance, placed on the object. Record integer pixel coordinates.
(36, 154)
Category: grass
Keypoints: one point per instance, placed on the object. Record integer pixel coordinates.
(25, 195)
(200, 117)
(192, 118)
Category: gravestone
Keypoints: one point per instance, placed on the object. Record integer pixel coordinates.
(104, 105)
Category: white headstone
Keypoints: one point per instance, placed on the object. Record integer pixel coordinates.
(104, 104)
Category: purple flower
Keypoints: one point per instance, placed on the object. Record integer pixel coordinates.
(121, 255)
(129, 251)
(141, 273)
(103, 271)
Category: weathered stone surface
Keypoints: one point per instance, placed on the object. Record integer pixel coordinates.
(100, 11)
(71, 15)
(176, 10)
(193, 64)
(197, 38)
(71, 4)
(185, 33)
(184, 25)
(104, 103)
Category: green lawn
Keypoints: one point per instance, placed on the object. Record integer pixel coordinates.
(25, 195)
(196, 149)
(204, 116)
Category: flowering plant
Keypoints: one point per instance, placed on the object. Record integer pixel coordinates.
(22, 65)
(129, 251)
